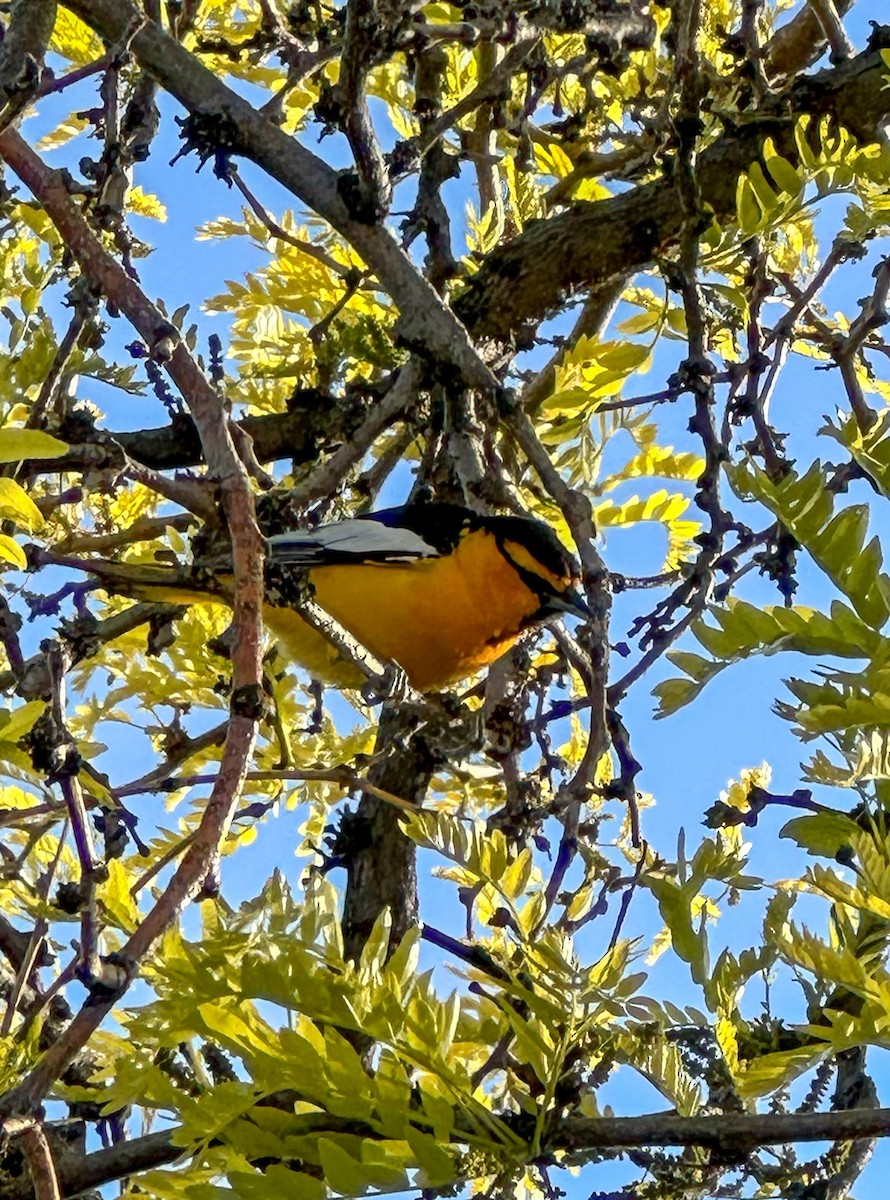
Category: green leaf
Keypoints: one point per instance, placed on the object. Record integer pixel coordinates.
(804, 505)
(829, 884)
(436, 1166)
(766, 197)
(673, 694)
(116, 898)
(17, 506)
(694, 665)
(763, 1075)
(19, 444)
(11, 552)
(341, 1171)
(568, 400)
(750, 217)
(641, 323)
(784, 174)
(821, 833)
(21, 720)
(276, 1181)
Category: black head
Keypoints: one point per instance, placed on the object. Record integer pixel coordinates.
(542, 562)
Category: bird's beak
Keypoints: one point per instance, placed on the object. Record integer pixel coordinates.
(570, 601)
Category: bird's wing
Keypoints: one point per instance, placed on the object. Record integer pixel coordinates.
(352, 541)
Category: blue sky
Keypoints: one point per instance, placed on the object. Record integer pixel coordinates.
(686, 759)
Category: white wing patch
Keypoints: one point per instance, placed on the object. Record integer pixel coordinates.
(352, 539)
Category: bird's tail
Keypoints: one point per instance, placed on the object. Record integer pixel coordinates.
(144, 581)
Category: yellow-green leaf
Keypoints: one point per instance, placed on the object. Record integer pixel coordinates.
(18, 444)
(17, 506)
(21, 720)
(11, 552)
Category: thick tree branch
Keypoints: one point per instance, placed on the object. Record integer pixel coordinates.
(32, 681)
(318, 423)
(833, 29)
(530, 277)
(78, 1173)
(732, 1133)
(21, 53)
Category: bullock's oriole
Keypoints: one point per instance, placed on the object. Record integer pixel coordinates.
(437, 589)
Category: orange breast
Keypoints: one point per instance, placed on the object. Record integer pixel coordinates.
(440, 619)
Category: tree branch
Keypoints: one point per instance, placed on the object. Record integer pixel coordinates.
(78, 1173)
(523, 281)
(223, 464)
(798, 44)
(317, 422)
(21, 54)
(40, 1164)
(832, 29)
(732, 1133)
(426, 323)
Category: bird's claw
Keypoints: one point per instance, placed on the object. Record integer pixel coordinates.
(391, 686)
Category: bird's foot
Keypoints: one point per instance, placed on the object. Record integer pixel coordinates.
(391, 687)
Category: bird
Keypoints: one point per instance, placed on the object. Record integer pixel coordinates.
(437, 590)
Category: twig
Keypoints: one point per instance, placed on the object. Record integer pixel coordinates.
(578, 514)
(365, 27)
(474, 956)
(593, 319)
(623, 583)
(275, 23)
(839, 253)
(430, 213)
(59, 662)
(301, 64)
(666, 638)
(570, 819)
(279, 232)
(49, 388)
(491, 88)
(400, 398)
(673, 392)
(627, 896)
(735, 1134)
(165, 859)
(51, 84)
(874, 314)
(756, 403)
(625, 786)
(346, 777)
(190, 494)
(144, 529)
(35, 940)
(154, 780)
